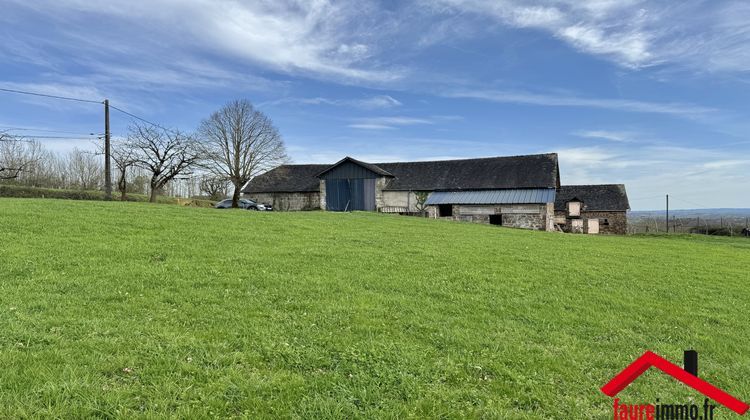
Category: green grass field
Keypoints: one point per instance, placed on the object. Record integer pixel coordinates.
(113, 309)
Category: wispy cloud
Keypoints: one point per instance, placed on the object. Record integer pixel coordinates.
(367, 126)
(371, 102)
(317, 38)
(387, 123)
(617, 136)
(615, 29)
(626, 105)
(78, 91)
(633, 33)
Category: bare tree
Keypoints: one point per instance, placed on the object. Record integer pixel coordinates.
(85, 169)
(124, 158)
(240, 142)
(17, 155)
(215, 187)
(164, 154)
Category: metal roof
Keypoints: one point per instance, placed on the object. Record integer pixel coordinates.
(509, 196)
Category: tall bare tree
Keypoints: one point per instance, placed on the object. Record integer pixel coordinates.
(164, 154)
(240, 142)
(17, 155)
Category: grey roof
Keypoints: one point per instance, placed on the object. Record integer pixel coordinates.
(530, 171)
(287, 178)
(605, 197)
(372, 167)
(514, 196)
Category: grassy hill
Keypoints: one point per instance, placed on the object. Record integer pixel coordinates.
(125, 309)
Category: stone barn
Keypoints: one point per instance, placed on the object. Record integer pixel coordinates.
(512, 191)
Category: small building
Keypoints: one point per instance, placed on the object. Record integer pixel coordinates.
(512, 191)
(592, 209)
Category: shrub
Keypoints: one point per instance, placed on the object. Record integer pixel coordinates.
(18, 191)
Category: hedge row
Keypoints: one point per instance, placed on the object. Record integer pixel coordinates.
(17, 191)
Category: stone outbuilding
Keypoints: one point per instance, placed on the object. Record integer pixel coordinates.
(592, 209)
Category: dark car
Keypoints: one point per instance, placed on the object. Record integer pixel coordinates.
(244, 203)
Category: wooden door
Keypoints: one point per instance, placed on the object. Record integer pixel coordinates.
(593, 225)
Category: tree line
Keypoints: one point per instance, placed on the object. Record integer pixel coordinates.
(228, 148)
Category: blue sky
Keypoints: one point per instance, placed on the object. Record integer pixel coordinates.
(653, 94)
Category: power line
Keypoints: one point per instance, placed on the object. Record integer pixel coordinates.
(688, 202)
(48, 131)
(141, 119)
(67, 98)
(646, 198)
(93, 137)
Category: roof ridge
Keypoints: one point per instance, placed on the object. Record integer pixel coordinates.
(591, 185)
(422, 161)
(465, 159)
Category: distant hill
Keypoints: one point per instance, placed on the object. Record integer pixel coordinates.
(706, 213)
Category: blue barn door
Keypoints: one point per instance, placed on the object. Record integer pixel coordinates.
(350, 194)
(338, 195)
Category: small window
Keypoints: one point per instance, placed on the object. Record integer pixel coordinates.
(604, 222)
(574, 208)
(445, 210)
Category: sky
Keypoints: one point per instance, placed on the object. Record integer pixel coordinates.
(652, 94)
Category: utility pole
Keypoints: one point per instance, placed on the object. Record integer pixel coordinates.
(667, 213)
(107, 154)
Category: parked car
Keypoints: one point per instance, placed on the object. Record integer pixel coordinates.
(244, 203)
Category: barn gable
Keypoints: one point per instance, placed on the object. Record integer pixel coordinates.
(604, 197)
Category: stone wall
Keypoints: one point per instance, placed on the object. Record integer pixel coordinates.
(380, 183)
(288, 201)
(525, 221)
(405, 199)
(616, 221)
(523, 216)
(322, 195)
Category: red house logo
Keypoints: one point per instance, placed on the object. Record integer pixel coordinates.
(688, 377)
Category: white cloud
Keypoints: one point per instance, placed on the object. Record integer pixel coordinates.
(85, 92)
(366, 126)
(387, 123)
(626, 105)
(729, 163)
(372, 102)
(617, 136)
(318, 38)
(610, 28)
(698, 35)
(378, 101)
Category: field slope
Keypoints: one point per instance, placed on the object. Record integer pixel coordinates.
(131, 309)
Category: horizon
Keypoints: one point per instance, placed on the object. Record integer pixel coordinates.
(621, 96)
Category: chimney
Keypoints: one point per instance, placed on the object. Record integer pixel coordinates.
(691, 362)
